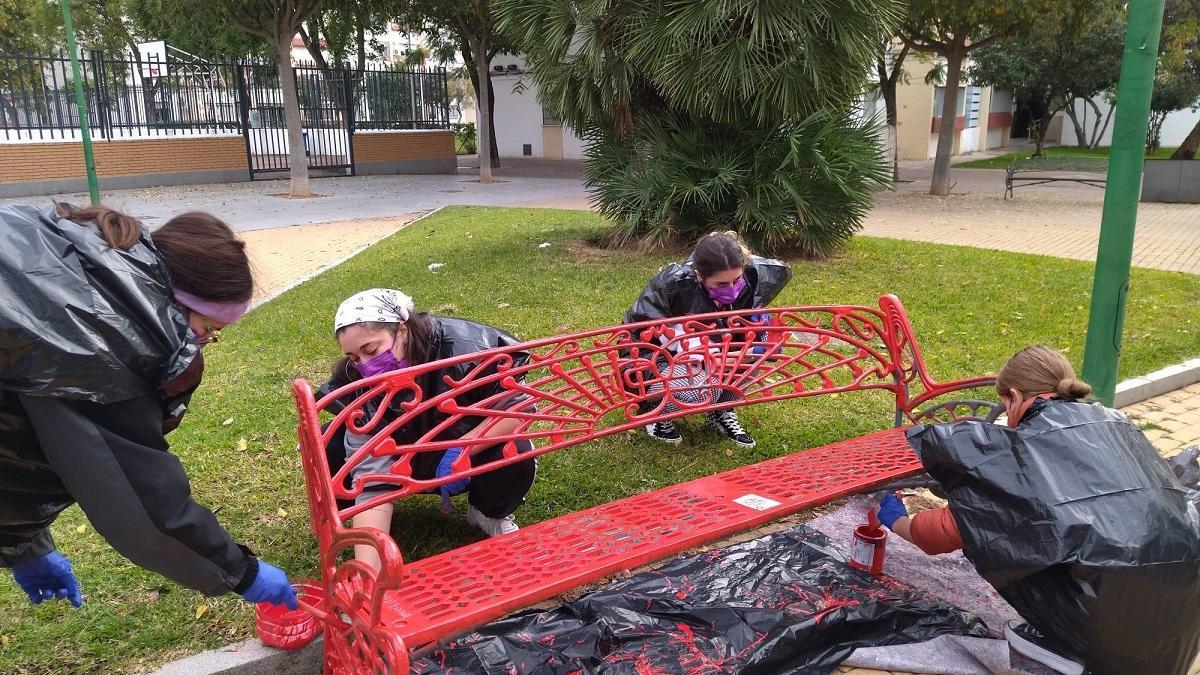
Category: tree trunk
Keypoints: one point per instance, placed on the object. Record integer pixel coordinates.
(297, 161)
(1189, 146)
(887, 90)
(147, 82)
(1043, 124)
(1154, 133)
(1081, 137)
(492, 119)
(1099, 131)
(484, 116)
(940, 185)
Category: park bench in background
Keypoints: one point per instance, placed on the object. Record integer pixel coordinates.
(588, 386)
(1040, 170)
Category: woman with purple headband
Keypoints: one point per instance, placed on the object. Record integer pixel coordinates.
(101, 327)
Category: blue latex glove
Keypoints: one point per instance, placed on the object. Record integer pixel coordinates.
(445, 468)
(891, 509)
(47, 578)
(758, 350)
(271, 585)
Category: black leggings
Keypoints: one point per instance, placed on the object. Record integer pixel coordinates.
(496, 493)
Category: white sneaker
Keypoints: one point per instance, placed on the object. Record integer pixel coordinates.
(492, 527)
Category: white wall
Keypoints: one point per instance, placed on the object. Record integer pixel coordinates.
(573, 145)
(995, 138)
(969, 141)
(518, 116)
(1174, 128)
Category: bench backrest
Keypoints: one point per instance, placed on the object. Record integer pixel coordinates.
(590, 385)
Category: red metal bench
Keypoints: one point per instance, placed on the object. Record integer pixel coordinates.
(588, 386)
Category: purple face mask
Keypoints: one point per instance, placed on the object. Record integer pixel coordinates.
(381, 363)
(725, 295)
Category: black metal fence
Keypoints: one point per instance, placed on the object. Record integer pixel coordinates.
(154, 97)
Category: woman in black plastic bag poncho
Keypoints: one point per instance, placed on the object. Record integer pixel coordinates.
(1075, 520)
(101, 326)
(721, 274)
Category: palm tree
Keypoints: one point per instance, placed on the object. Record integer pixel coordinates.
(715, 114)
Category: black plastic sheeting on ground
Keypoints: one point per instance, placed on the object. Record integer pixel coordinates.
(784, 603)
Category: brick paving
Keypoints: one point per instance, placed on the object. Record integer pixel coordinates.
(1064, 224)
(1170, 421)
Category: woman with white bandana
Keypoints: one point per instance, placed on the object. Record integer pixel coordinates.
(380, 331)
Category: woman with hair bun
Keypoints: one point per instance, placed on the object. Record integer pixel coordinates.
(1074, 518)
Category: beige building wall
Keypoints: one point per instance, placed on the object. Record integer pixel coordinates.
(914, 112)
(916, 136)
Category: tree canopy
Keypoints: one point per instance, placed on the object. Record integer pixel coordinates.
(952, 29)
(1067, 54)
(715, 114)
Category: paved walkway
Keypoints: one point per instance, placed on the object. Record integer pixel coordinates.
(283, 256)
(1063, 223)
(1170, 421)
(262, 204)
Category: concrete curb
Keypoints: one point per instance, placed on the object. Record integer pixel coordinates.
(250, 657)
(312, 275)
(1157, 383)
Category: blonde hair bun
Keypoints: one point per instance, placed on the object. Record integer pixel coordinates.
(1073, 388)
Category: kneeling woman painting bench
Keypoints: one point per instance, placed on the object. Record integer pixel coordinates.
(379, 331)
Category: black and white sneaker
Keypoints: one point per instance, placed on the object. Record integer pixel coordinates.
(665, 432)
(1027, 641)
(725, 422)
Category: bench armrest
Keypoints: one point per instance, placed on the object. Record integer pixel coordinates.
(919, 409)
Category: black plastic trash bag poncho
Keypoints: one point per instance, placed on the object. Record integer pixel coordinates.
(1081, 527)
(85, 321)
(785, 603)
(675, 290)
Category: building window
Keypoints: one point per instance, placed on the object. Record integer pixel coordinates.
(939, 95)
(974, 94)
(549, 119)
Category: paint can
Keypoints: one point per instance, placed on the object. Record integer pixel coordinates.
(869, 545)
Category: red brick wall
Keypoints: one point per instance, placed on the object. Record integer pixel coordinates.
(960, 123)
(29, 162)
(1000, 120)
(387, 146)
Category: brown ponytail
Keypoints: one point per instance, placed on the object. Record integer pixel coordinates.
(117, 229)
(1038, 369)
(205, 258)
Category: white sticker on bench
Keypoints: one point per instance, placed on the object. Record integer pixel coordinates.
(757, 503)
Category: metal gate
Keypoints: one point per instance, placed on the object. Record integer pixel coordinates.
(326, 114)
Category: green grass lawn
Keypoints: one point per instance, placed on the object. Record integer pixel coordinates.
(1060, 156)
(971, 309)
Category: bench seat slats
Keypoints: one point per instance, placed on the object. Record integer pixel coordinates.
(446, 594)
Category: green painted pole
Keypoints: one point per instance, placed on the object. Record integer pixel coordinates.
(85, 131)
(1102, 350)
